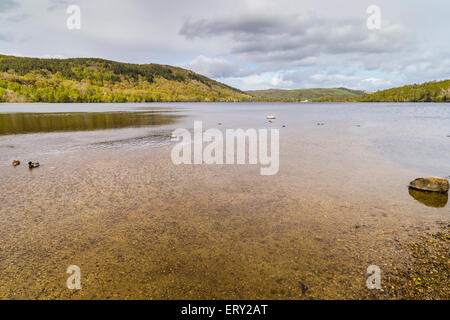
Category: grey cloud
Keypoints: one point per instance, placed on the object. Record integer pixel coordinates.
(243, 26)
(55, 4)
(18, 17)
(5, 38)
(6, 5)
(292, 38)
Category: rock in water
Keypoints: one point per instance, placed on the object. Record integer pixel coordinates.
(430, 184)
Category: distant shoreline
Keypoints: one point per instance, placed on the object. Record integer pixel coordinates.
(230, 102)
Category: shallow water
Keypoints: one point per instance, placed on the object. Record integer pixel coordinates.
(110, 200)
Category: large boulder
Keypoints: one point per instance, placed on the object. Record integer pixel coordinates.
(430, 184)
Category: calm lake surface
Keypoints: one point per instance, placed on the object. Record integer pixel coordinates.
(108, 199)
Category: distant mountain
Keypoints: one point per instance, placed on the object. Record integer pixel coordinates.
(304, 94)
(99, 80)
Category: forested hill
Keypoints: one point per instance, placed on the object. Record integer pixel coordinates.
(98, 80)
(304, 94)
(434, 91)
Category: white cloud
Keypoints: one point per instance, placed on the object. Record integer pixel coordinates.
(212, 67)
(278, 82)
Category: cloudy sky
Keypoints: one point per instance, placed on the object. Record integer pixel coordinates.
(249, 44)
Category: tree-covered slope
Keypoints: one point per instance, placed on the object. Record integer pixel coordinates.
(98, 80)
(435, 91)
(304, 94)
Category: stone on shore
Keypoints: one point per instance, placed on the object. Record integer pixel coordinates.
(433, 184)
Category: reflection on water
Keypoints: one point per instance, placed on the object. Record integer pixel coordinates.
(430, 199)
(20, 123)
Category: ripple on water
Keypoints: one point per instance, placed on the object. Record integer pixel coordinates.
(157, 139)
